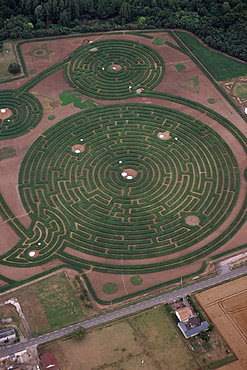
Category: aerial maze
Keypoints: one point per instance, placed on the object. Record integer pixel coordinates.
(120, 182)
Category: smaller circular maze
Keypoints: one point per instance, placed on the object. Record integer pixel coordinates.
(26, 113)
(181, 189)
(114, 69)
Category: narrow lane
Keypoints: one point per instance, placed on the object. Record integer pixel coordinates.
(164, 298)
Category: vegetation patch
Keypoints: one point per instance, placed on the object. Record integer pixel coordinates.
(110, 288)
(180, 67)
(7, 56)
(159, 41)
(51, 117)
(58, 301)
(219, 65)
(240, 89)
(191, 84)
(136, 280)
(70, 96)
(7, 152)
(211, 101)
(245, 174)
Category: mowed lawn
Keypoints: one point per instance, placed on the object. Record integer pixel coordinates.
(59, 303)
(148, 341)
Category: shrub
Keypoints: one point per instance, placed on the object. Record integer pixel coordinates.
(14, 68)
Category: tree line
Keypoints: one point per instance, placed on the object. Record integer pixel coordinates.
(220, 24)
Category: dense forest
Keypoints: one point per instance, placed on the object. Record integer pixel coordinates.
(220, 24)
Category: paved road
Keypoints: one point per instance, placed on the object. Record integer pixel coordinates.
(164, 298)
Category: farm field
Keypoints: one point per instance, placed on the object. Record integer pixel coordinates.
(122, 159)
(148, 340)
(226, 307)
(56, 301)
(142, 338)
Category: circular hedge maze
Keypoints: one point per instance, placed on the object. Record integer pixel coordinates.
(180, 182)
(19, 112)
(114, 69)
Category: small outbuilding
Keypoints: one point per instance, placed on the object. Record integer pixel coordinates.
(7, 335)
(48, 362)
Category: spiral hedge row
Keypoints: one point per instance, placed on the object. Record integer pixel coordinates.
(26, 113)
(81, 199)
(114, 69)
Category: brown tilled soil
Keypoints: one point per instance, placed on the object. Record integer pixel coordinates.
(226, 306)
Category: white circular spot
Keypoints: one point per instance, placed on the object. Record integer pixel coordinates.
(77, 151)
(114, 68)
(120, 161)
(90, 42)
(176, 138)
(124, 173)
(81, 139)
(32, 254)
(245, 110)
(161, 136)
(39, 243)
(129, 177)
(8, 120)
(3, 110)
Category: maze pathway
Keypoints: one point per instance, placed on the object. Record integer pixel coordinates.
(125, 181)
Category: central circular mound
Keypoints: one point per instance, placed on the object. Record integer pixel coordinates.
(115, 67)
(5, 113)
(129, 173)
(112, 67)
(178, 192)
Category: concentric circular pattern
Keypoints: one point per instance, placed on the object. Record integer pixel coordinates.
(26, 113)
(113, 69)
(106, 214)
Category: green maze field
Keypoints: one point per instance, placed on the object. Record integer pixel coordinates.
(85, 199)
(26, 113)
(127, 181)
(107, 69)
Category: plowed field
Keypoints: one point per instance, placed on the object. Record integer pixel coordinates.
(226, 306)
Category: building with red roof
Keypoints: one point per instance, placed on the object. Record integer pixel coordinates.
(48, 362)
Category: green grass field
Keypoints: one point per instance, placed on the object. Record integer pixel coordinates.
(240, 89)
(219, 65)
(58, 301)
(149, 337)
(149, 341)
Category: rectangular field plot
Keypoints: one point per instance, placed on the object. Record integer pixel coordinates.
(147, 341)
(226, 306)
(58, 301)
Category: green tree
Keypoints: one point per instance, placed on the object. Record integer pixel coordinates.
(79, 333)
(204, 336)
(64, 18)
(14, 68)
(125, 11)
